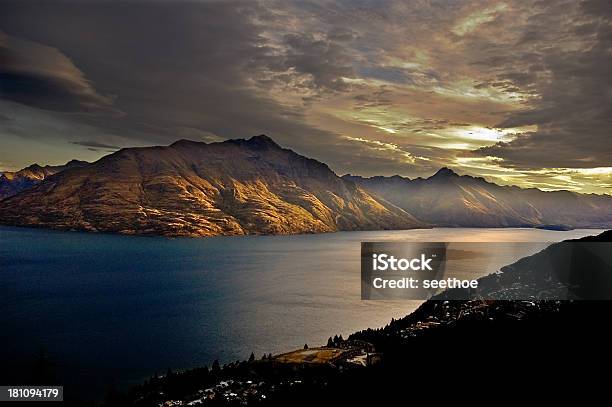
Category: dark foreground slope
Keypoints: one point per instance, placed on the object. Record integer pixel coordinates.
(454, 351)
(235, 187)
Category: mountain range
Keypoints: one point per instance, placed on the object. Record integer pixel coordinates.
(254, 186)
(447, 199)
(11, 183)
(191, 188)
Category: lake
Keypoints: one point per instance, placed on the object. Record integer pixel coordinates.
(116, 309)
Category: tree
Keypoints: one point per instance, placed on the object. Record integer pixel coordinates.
(305, 346)
(330, 342)
(252, 358)
(215, 367)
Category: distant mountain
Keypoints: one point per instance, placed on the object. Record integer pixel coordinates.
(11, 183)
(196, 189)
(448, 199)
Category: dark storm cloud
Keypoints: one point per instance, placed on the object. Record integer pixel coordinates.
(574, 109)
(375, 98)
(95, 145)
(388, 74)
(324, 60)
(43, 77)
(176, 65)
(598, 8)
(367, 86)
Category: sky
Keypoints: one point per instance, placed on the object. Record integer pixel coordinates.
(518, 92)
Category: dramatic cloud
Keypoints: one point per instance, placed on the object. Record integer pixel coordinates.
(43, 77)
(516, 91)
(95, 145)
(572, 107)
(182, 65)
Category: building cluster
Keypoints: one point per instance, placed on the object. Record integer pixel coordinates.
(357, 353)
(448, 313)
(526, 285)
(346, 354)
(228, 392)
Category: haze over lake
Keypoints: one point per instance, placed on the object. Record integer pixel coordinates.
(119, 308)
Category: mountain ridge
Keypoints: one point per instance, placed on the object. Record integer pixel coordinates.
(450, 172)
(13, 182)
(255, 186)
(192, 188)
(449, 199)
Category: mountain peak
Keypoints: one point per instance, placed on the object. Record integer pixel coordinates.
(184, 142)
(444, 172)
(262, 141)
(75, 162)
(234, 187)
(33, 167)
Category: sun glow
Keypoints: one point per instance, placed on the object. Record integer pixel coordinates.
(483, 133)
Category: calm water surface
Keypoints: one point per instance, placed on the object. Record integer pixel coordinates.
(119, 308)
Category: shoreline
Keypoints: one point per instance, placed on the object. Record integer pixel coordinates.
(435, 320)
(325, 242)
(194, 237)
